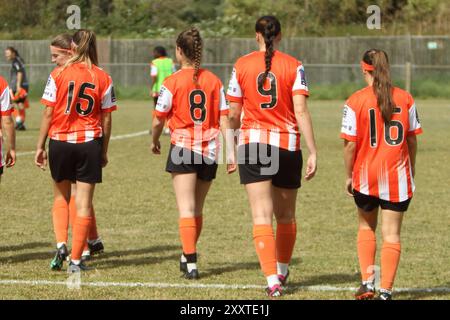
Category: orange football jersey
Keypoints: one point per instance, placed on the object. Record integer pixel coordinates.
(5, 110)
(382, 165)
(268, 110)
(78, 95)
(193, 111)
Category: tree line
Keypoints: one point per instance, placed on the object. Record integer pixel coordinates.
(29, 19)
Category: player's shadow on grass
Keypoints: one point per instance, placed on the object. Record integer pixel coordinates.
(24, 246)
(236, 267)
(24, 257)
(325, 280)
(118, 258)
(210, 272)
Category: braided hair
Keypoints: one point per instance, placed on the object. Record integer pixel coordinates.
(269, 27)
(191, 43)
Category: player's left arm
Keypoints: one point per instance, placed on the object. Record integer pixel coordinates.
(411, 140)
(19, 82)
(106, 127)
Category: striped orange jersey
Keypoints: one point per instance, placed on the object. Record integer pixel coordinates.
(382, 166)
(5, 110)
(193, 111)
(78, 95)
(268, 110)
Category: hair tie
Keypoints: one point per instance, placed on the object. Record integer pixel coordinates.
(367, 67)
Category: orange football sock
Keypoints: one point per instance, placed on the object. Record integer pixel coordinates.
(72, 212)
(93, 234)
(265, 246)
(60, 215)
(198, 226)
(367, 248)
(188, 234)
(80, 233)
(390, 258)
(285, 240)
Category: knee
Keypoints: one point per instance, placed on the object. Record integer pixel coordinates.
(391, 235)
(287, 217)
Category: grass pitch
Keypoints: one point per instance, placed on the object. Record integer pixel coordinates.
(137, 219)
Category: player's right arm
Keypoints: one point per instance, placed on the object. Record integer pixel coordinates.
(305, 124)
(40, 158)
(162, 110)
(349, 134)
(8, 127)
(49, 101)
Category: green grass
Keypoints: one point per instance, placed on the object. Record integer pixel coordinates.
(137, 218)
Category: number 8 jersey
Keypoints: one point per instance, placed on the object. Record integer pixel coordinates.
(268, 111)
(382, 166)
(78, 95)
(193, 111)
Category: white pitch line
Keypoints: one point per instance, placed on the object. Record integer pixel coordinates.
(207, 286)
(119, 137)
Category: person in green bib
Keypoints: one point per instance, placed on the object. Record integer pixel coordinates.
(161, 67)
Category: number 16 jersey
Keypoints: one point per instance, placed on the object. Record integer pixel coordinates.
(79, 96)
(382, 166)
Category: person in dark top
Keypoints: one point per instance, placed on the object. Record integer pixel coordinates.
(18, 86)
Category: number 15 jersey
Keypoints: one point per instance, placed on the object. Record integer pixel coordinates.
(268, 110)
(79, 96)
(382, 165)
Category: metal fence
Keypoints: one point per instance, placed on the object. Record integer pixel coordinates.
(327, 60)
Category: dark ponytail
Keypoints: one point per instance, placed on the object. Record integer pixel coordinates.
(16, 53)
(382, 83)
(269, 27)
(191, 43)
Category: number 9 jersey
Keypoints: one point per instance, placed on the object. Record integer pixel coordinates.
(382, 167)
(79, 96)
(268, 110)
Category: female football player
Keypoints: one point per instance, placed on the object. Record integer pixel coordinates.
(193, 101)
(271, 89)
(6, 126)
(79, 98)
(18, 86)
(379, 129)
(61, 52)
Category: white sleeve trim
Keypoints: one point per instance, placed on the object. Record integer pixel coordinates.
(50, 90)
(164, 103)
(223, 102)
(5, 104)
(109, 98)
(234, 89)
(300, 80)
(349, 122)
(414, 122)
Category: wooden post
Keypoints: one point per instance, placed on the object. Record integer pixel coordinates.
(408, 68)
